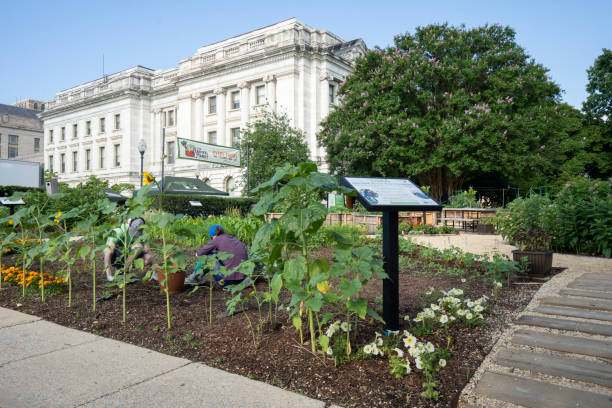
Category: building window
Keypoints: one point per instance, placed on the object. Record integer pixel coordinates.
(88, 159)
(169, 118)
(35, 106)
(117, 155)
(235, 100)
(212, 137)
(230, 185)
(235, 136)
(117, 121)
(171, 153)
(212, 104)
(102, 125)
(63, 134)
(75, 131)
(62, 163)
(51, 163)
(50, 136)
(332, 95)
(75, 163)
(260, 95)
(37, 144)
(101, 157)
(88, 128)
(13, 146)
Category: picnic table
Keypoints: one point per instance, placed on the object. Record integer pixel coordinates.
(465, 217)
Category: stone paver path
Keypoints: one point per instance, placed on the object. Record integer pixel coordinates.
(558, 353)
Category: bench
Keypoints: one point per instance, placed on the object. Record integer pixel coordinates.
(463, 222)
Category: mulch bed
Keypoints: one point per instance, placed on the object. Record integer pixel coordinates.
(279, 359)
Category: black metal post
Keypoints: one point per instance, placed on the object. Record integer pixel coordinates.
(247, 166)
(391, 267)
(163, 158)
(141, 167)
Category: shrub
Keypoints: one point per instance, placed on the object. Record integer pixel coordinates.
(525, 223)
(464, 199)
(581, 219)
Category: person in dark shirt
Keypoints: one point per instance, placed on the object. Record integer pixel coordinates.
(220, 242)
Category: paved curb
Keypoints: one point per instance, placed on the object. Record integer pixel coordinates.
(47, 365)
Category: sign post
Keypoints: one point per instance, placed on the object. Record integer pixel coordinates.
(390, 195)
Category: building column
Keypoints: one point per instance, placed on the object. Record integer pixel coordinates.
(270, 81)
(221, 107)
(157, 138)
(198, 116)
(245, 106)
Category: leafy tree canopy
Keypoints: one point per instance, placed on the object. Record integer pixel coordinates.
(598, 110)
(272, 142)
(441, 103)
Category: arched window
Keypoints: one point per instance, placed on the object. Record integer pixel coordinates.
(230, 185)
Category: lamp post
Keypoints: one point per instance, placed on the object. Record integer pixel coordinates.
(142, 146)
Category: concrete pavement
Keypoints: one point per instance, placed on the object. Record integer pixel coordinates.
(43, 364)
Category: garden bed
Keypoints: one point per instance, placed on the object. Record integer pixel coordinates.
(280, 359)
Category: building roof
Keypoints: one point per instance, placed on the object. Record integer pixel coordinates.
(187, 186)
(14, 110)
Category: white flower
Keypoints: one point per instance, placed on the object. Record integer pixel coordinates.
(408, 369)
(434, 307)
(417, 319)
(442, 362)
(399, 352)
(469, 316)
(460, 312)
(330, 352)
(430, 291)
(443, 319)
(470, 304)
(429, 313)
(498, 284)
(479, 308)
(419, 364)
(330, 331)
(374, 349)
(379, 341)
(367, 349)
(430, 347)
(463, 280)
(410, 341)
(413, 351)
(453, 318)
(345, 327)
(407, 333)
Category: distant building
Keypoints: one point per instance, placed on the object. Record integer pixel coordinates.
(94, 128)
(33, 104)
(21, 134)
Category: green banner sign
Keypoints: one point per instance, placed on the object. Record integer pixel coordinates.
(194, 150)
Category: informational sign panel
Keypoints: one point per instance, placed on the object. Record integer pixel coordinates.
(194, 150)
(380, 194)
(20, 173)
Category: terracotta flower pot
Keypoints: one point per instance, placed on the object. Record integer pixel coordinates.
(540, 262)
(176, 281)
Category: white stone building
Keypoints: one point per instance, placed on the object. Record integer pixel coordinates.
(94, 128)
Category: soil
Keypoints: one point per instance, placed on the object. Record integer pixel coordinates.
(278, 357)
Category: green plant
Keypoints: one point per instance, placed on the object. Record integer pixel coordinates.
(283, 244)
(464, 199)
(525, 223)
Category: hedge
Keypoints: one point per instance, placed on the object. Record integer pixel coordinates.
(7, 191)
(211, 205)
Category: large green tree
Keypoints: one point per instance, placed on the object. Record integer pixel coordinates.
(271, 142)
(441, 103)
(598, 111)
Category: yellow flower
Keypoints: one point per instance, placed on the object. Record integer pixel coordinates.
(10, 221)
(323, 287)
(59, 214)
(148, 178)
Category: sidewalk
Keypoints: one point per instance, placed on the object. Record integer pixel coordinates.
(46, 365)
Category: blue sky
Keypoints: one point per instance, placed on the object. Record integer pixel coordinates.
(53, 45)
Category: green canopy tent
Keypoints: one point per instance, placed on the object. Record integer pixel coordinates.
(186, 186)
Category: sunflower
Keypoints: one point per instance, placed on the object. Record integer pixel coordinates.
(148, 178)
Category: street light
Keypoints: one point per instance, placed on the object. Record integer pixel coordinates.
(142, 146)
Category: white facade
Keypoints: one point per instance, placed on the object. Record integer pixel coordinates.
(286, 67)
